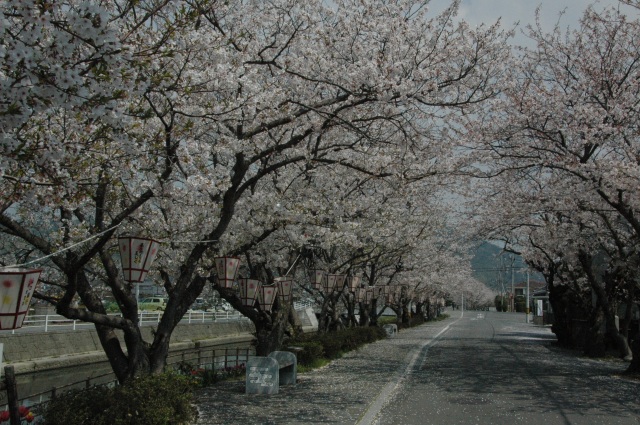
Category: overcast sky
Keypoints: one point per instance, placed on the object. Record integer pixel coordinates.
(523, 11)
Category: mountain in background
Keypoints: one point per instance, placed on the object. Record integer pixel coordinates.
(493, 267)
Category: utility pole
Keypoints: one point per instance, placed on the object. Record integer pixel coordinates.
(512, 298)
(527, 305)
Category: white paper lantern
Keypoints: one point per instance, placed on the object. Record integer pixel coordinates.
(249, 291)
(284, 288)
(137, 255)
(16, 289)
(354, 283)
(317, 279)
(227, 268)
(266, 296)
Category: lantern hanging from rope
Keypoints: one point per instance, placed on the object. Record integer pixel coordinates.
(317, 279)
(266, 296)
(249, 291)
(137, 255)
(16, 289)
(227, 268)
(284, 288)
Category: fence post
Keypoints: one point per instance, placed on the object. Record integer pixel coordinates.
(46, 322)
(237, 356)
(12, 395)
(226, 357)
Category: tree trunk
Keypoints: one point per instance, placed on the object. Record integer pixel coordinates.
(634, 366)
(595, 342)
(270, 335)
(620, 341)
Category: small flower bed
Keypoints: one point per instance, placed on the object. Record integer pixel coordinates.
(26, 416)
(205, 377)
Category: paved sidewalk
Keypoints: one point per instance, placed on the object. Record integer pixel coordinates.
(350, 390)
(470, 370)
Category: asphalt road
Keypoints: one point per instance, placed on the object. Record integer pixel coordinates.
(493, 368)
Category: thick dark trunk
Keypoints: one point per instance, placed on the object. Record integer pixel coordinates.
(561, 326)
(634, 366)
(620, 341)
(364, 314)
(594, 345)
(406, 315)
(271, 332)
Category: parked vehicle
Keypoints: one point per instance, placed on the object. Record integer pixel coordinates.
(153, 304)
(200, 304)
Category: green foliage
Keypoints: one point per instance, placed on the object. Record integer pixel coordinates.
(331, 345)
(520, 303)
(149, 400)
(502, 303)
(206, 377)
(311, 351)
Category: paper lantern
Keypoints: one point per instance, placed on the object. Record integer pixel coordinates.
(16, 288)
(284, 288)
(334, 282)
(317, 279)
(378, 291)
(137, 255)
(354, 283)
(227, 268)
(266, 296)
(369, 295)
(249, 291)
(361, 295)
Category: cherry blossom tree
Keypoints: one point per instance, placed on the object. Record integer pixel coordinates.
(563, 156)
(166, 118)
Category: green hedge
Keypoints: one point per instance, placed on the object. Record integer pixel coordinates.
(331, 345)
(149, 400)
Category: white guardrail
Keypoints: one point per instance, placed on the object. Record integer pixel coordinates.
(50, 322)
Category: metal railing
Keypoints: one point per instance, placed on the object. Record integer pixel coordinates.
(50, 322)
(210, 358)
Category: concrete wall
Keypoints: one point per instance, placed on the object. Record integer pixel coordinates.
(31, 352)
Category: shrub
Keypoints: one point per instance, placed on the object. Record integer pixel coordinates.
(331, 345)
(311, 351)
(149, 400)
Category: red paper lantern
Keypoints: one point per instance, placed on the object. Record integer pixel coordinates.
(284, 288)
(227, 268)
(137, 255)
(266, 296)
(16, 289)
(249, 291)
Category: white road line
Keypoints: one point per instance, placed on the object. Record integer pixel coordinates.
(387, 391)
